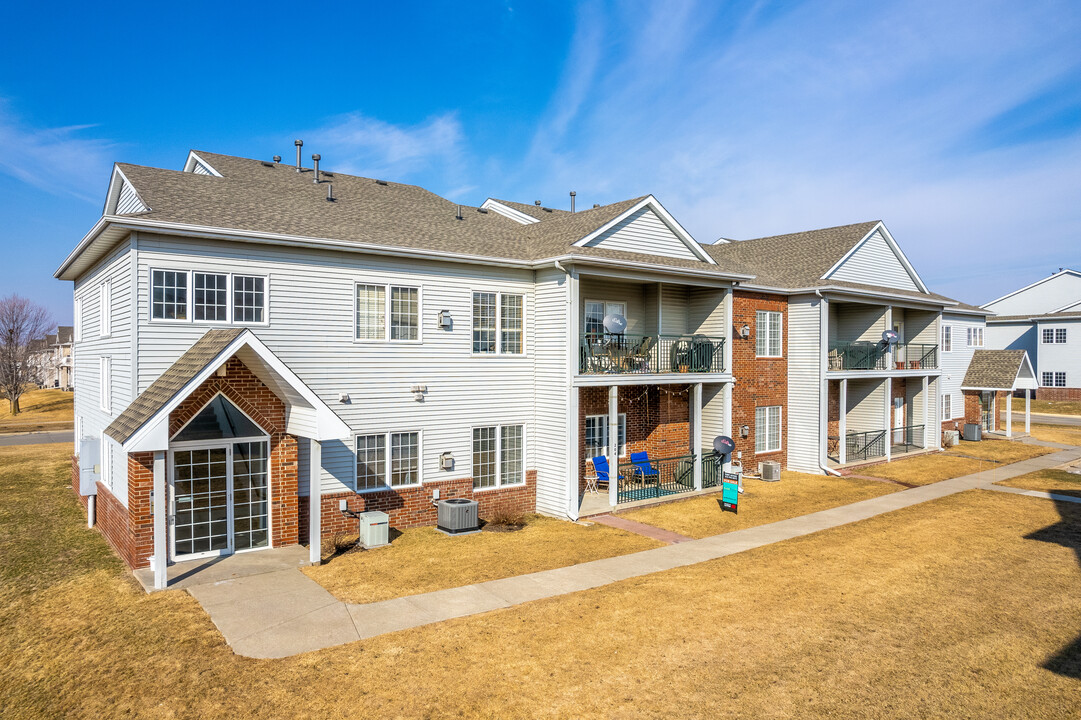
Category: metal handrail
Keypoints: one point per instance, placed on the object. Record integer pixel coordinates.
(620, 353)
(865, 445)
(909, 436)
(916, 356)
(857, 356)
(670, 476)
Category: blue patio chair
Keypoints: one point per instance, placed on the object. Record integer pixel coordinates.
(601, 473)
(643, 467)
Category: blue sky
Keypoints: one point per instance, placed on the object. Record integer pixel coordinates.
(959, 124)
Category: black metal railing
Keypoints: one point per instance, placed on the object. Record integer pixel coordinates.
(711, 470)
(857, 356)
(655, 479)
(601, 353)
(915, 356)
(908, 437)
(865, 445)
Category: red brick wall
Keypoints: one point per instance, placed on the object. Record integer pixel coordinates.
(413, 507)
(111, 519)
(1046, 393)
(140, 508)
(760, 382)
(973, 413)
(75, 479)
(658, 420)
(834, 409)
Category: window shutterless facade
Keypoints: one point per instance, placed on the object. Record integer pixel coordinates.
(947, 338)
(387, 312)
(1053, 336)
(947, 407)
(767, 334)
(767, 429)
(498, 456)
(105, 308)
(975, 337)
(387, 460)
(105, 383)
(597, 435)
(204, 297)
(1053, 379)
(595, 310)
(498, 321)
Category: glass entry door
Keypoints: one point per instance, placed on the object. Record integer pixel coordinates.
(220, 499)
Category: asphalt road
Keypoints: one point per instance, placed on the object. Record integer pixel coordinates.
(1019, 417)
(34, 438)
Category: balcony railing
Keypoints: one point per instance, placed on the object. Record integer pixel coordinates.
(908, 437)
(865, 445)
(657, 478)
(601, 353)
(857, 356)
(915, 356)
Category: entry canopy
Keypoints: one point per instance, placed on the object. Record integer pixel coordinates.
(219, 420)
(999, 370)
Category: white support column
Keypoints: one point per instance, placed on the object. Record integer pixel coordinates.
(726, 422)
(728, 301)
(1009, 416)
(1028, 398)
(926, 410)
(696, 433)
(889, 418)
(890, 355)
(315, 493)
(613, 445)
(842, 422)
(161, 548)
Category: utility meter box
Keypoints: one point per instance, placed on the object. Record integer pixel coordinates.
(374, 529)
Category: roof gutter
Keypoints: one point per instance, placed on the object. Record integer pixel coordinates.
(837, 289)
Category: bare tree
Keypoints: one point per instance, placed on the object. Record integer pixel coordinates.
(21, 322)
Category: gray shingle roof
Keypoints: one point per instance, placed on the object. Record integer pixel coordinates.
(993, 369)
(205, 350)
(533, 211)
(1046, 316)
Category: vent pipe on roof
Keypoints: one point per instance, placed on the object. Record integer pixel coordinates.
(277, 158)
(299, 144)
(537, 203)
(572, 200)
(315, 159)
(596, 205)
(330, 192)
(459, 215)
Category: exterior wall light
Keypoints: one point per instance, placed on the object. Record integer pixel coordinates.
(446, 461)
(446, 322)
(745, 331)
(744, 430)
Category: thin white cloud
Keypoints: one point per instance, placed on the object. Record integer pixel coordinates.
(58, 160)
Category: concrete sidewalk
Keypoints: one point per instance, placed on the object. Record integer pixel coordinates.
(282, 613)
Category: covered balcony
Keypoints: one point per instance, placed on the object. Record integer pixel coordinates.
(874, 419)
(856, 338)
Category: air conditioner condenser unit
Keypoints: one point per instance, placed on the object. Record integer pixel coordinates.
(374, 529)
(770, 471)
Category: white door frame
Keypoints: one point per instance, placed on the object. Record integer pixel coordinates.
(227, 445)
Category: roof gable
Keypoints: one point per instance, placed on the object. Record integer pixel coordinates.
(1054, 293)
(199, 166)
(123, 198)
(877, 260)
(999, 370)
(646, 228)
(498, 206)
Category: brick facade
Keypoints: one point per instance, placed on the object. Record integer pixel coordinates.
(658, 420)
(760, 382)
(973, 414)
(1047, 393)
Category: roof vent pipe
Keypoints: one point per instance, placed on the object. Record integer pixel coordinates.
(572, 200)
(299, 144)
(537, 203)
(330, 192)
(277, 158)
(316, 159)
(459, 215)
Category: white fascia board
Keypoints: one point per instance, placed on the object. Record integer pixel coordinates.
(189, 164)
(154, 434)
(665, 216)
(1041, 281)
(508, 212)
(1073, 305)
(892, 245)
(847, 293)
(112, 197)
(586, 260)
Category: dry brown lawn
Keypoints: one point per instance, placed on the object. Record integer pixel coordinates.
(963, 459)
(1057, 433)
(40, 410)
(969, 606)
(1052, 481)
(1054, 407)
(760, 503)
(421, 560)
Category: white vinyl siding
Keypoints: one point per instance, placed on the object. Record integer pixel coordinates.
(597, 435)
(767, 429)
(804, 385)
(105, 312)
(105, 384)
(875, 263)
(128, 201)
(77, 330)
(644, 232)
(1045, 296)
(550, 376)
(768, 334)
(498, 456)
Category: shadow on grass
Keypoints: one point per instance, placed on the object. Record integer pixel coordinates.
(1066, 532)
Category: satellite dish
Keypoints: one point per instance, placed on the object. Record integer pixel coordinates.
(615, 324)
(724, 445)
(889, 337)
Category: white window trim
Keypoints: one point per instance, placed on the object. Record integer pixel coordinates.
(105, 309)
(1054, 379)
(604, 425)
(974, 337)
(190, 305)
(780, 430)
(780, 336)
(499, 484)
(105, 457)
(605, 303)
(946, 330)
(386, 316)
(77, 331)
(498, 326)
(105, 381)
(387, 459)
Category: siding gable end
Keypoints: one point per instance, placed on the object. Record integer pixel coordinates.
(123, 198)
(644, 230)
(876, 261)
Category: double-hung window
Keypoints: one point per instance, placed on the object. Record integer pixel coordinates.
(947, 407)
(767, 429)
(1055, 336)
(105, 309)
(387, 311)
(947, 338)
(498, 321)
(188, 295)
(388, 460)
(1053, 379)
(975, 337)
(597, 435)
(498, 456)
(767, 341)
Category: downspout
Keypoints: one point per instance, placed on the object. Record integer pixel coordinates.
(821, 464)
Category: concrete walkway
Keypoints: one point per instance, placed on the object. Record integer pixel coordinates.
(283, 612)
(37, 437)
(650, 531)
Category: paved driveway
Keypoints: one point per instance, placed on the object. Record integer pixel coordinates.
(33, 438)
(1019, 417)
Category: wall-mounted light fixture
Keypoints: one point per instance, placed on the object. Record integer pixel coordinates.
(446, 461)
(418, 392)
(343, 398)
(446, 322)
(744, 430)
(745, 331)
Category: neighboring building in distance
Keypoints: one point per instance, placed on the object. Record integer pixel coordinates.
(1044, 319)
(51, 358)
